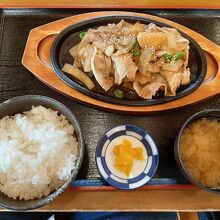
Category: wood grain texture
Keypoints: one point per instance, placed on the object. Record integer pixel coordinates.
(44, 34)
(151, 200)
(111, 3)
(187, 216)
(15, 80)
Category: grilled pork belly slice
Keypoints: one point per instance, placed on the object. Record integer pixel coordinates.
(124, 67)
(101, 66)
(147, 91)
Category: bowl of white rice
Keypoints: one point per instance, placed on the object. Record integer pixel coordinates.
(41, 151)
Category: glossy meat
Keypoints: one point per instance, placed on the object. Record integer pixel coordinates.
(148, 58)
(124, 67)
(101, 68)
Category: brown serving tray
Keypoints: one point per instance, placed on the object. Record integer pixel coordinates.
(36, 58)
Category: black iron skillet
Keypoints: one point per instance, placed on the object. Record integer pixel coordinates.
(69, 37)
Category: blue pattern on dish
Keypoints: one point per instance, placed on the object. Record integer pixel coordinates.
(152, 163)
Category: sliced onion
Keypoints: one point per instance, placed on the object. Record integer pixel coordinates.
(155, 40)
(171, 40)
(73, 51)
(153, 68)
(173, 66)
(145, 59)
(137, 28)
(80, 75)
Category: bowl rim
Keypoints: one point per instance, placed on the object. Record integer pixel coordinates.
(177, 150)
(156, 156)
(78, 133)
(77, 86)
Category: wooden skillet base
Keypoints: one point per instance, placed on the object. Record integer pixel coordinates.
(36, 58)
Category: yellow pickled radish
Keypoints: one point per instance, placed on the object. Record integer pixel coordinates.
(125, 154)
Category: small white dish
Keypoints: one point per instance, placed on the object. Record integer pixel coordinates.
(142, 170)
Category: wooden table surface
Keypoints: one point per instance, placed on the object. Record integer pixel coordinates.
(16, 80)
(112, 3)
(142, 200)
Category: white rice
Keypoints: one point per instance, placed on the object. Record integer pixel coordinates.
(38, 152)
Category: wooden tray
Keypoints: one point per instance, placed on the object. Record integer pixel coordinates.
(36, 58)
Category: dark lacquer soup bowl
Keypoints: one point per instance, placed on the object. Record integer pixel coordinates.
(69, 37)
(211, 114)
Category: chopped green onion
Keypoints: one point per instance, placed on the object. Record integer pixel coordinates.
(136, 49)
(118, 94)
(136, 53)
(167, 57)
(178, 55)
(82, 34)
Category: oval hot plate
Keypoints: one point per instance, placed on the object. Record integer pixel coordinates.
(47, 48)
(69, 37)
